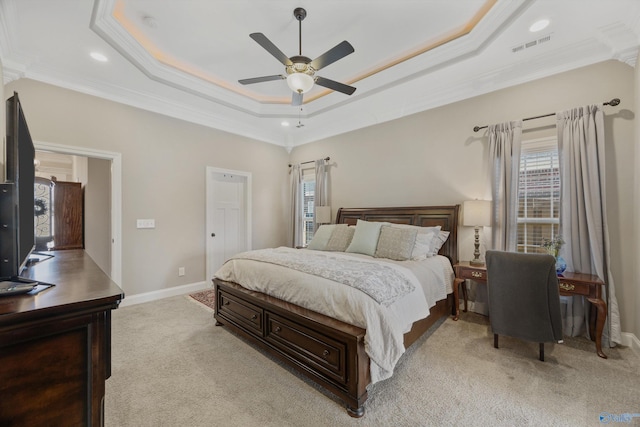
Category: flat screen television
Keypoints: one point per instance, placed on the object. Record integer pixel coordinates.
(17, 230)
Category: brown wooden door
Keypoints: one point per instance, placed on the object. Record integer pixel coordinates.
(68, 215)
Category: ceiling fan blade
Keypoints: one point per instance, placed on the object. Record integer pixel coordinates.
(296, 99)
(332, 55)
(263, 41)
(332, 84)
(261, 79)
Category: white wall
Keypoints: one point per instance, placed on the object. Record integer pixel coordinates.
(97, 212)
(163, 177)
(434, 157)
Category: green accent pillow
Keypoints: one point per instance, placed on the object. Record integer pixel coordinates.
(365, 238)
(321, 237)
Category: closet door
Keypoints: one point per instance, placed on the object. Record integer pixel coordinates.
(68, 213)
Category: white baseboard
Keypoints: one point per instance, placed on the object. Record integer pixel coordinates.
(630, 340)
(164, 293)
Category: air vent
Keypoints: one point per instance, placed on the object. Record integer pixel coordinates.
(531, 43)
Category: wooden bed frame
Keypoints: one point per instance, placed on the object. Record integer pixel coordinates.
(329, 352)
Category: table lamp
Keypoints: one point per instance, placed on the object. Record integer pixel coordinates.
(323, 214)
(476, 213)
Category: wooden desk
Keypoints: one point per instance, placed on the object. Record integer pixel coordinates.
(590, 287)
(570, 284)
(55, 347)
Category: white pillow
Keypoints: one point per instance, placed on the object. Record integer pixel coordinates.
(439, 240)
(321, 237)
(365, 239)
(422, 246)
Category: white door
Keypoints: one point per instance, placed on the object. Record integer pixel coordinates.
(228, 216)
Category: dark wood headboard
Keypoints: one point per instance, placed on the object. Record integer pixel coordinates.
(423, 216)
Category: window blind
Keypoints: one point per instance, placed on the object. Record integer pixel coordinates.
(538, 194)
(308, 199)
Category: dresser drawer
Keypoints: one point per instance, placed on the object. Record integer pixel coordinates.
(325, 355)
(472, 273)
(573, 288)
(239, 311)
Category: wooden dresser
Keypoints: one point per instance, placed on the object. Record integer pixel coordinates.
(55, 347)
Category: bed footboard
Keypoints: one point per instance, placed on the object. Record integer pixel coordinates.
(328, 351)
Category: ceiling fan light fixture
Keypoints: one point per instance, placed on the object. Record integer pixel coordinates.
(300, 82)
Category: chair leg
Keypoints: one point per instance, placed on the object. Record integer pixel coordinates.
(495, 340)
(542, 352)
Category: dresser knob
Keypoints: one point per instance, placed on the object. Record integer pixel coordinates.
(476, 274)
(254, 317)
(277, 329)
(226, 303)
(325, 353)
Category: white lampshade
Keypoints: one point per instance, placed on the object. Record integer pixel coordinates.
(300, 82)
(476, 213)
(323, 214)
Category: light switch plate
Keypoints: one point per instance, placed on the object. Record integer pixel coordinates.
(146, 223)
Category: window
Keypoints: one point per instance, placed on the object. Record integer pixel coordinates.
(308, 200)
(538, 194)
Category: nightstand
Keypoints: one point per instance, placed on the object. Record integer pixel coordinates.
(464, 270)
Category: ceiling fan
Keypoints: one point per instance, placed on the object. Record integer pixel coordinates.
(301, 69)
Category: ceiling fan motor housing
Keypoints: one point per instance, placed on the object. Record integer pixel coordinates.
(300, 65)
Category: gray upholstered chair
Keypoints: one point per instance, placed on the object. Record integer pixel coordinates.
(524, 300)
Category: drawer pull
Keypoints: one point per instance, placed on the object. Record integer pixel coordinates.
(325, 353)
(254, 317)
(277, 329)
(226, 302)
(567, 286)
(476, 274)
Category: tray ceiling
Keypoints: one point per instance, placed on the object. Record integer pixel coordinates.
(184, 58)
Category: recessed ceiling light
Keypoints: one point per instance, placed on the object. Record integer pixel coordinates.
(285, 124)
(99, 57)
(539, 25)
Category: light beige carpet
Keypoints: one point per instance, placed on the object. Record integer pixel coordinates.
(172, 367)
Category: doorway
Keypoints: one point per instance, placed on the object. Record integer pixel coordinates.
(228, 216)
(115, 166)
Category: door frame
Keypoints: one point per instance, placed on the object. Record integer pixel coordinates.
(116, 195)
(210, 170)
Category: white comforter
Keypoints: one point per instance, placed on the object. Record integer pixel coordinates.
(385, 326)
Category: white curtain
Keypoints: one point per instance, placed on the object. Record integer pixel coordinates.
(505, 142)
(583, 216)
(320, 196)
(297, 223)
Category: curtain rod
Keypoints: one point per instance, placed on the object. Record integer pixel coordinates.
(326, 159)
(613, 103)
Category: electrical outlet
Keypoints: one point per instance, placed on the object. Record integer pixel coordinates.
(180, 271)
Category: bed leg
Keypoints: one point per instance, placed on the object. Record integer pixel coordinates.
(355, 412)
